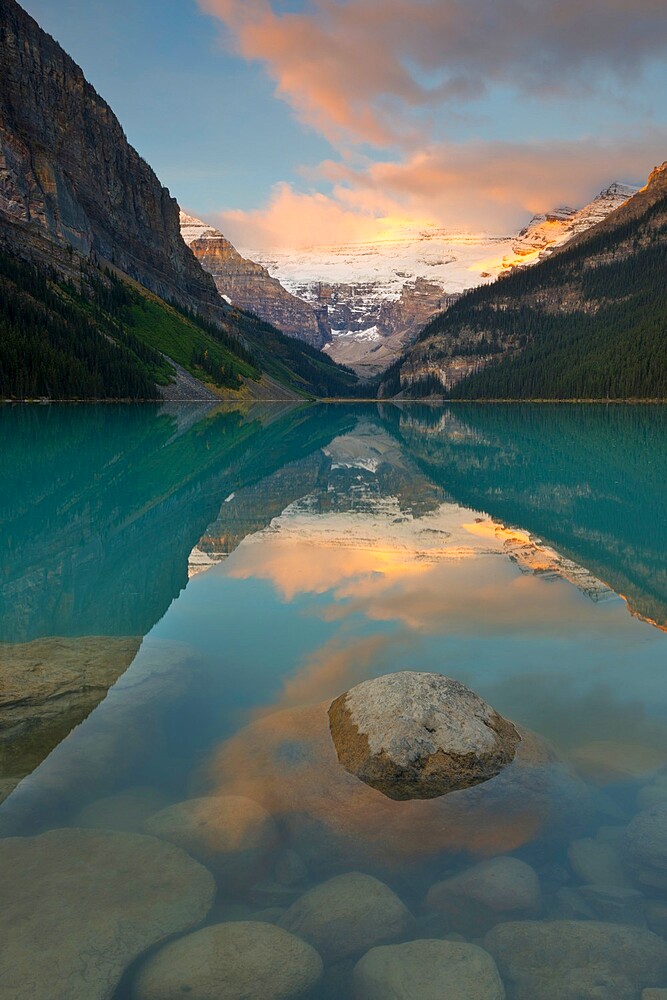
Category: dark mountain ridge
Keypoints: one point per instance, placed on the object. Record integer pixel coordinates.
(68, 175)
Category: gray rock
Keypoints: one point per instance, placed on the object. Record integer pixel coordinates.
(428, 970)
(233, 836)
(646, 846)
(595, 862)
(347, 915)
(576, 959)
(653, 994)
(474, 900)
(78, 906)
(238, 961)
(418, 736)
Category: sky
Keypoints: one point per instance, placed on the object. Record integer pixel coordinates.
(291, 123)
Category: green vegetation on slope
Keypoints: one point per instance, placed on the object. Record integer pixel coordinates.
(55, 343)
(590, 322)
(296, 363)
(618, 352)
(108, 342)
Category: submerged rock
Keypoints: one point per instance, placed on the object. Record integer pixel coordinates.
(475, 900)
(78, 906)
(249, 960)
(48, 687)
(646, 846)
(598, 863)
(429, 970)
(347, 915)
(287, 762)
(576, 959)
(232, 835)
(418, 736)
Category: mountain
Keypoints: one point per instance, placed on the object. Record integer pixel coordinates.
(588, 322)
(101, 297)
(70, 179)
(380, 295)
(249, 286)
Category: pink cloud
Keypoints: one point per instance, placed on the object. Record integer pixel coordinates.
(477, 186)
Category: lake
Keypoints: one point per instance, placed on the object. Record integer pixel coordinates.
(183, 592)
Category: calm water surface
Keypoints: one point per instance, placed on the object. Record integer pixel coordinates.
(183, 591)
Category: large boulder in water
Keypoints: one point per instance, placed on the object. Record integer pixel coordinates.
(287, 762)
(417, 735)
(248, 960)
(79, 906)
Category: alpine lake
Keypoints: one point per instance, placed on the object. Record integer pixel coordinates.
(184, 590)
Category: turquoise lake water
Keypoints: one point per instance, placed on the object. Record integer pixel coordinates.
(183, 592)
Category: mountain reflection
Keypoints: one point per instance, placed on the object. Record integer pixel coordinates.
(395, 516)
(590, 480)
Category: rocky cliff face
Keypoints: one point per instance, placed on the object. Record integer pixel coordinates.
(248, 285)
(69, 178)
(545, 233)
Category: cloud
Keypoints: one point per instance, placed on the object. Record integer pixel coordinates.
(365, 70)
(478, 186)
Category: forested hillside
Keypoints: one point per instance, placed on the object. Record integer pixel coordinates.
(106, 338)
(590, 322)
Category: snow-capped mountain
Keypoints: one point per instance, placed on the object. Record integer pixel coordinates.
(379, 295)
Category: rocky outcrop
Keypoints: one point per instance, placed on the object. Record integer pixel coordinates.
(418, 736)
(249, 286)
(248, 960)
(69, 178)
(78, 906)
